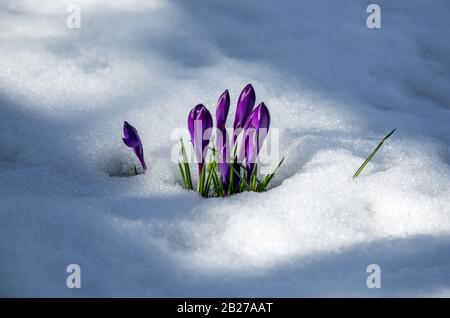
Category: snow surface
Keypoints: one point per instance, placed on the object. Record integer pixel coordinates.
(334, 88)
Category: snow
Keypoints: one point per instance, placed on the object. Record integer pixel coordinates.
(334, 88)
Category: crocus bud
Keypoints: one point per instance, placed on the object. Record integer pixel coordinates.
(223, 106)
(244, 107)
(255, 131)
(200, 128)
(132, 140)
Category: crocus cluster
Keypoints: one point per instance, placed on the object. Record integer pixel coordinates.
(236, 171)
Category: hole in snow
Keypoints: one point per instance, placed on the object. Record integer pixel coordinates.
(122, 166)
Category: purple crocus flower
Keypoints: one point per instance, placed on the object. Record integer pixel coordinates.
(223, 107)
(244, 107)
(199, 124)
(255, 131)
(132, 140)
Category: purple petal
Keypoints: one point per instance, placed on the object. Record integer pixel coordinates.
(200, 125)
(130, 142)
(255, 131)
(140, 154)
(131, 139)
(223, 107)
(223, 156)
(244, 107)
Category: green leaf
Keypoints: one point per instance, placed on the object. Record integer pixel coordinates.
(372, 154)
(201, 180)
(183, 177)
(207, 185)
(253, 178)
(187, 171)
(235, 171)
(233, 175)
(218, 186)
(217, 182)
(235, 151)
(231, 184)
(243, 185)
(267, 178)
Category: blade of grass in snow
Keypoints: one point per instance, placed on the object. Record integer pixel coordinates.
(253, 178)
(201, 180)
(231, 185)
(243, 184)
(231, 188)
(187, 171)
(183, 177)
(211, 168)
(372, 154)
(217, 182)
(266, 180)
(241, 178)
(207, 184)
(218, 186)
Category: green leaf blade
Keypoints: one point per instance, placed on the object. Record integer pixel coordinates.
(372, 154)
